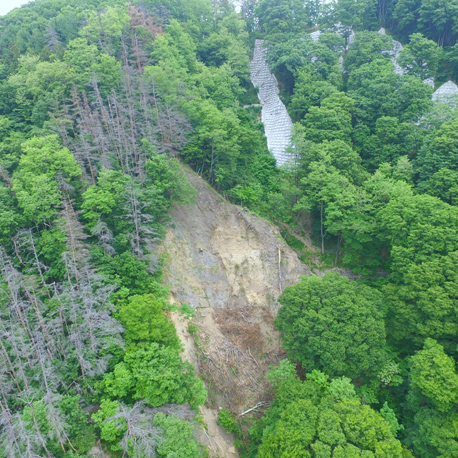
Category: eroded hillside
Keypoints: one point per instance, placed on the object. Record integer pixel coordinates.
(231, 266)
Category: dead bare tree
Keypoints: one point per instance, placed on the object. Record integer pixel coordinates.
(105, 237)
(142, 233)
(141, 437)
(35, 339)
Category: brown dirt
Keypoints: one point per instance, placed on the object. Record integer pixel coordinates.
(231, 266)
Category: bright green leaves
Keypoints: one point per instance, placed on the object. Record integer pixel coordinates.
(139, 431)
(39, 87)
(285, 16)
(144, 321)
(436, 433)
(157, 375)
(80, 431)
(110, 431)
(333, 325)
(120, 205)
(107, 27)
(367, 47)
(178, 438)
(336, 155)
(162, 377)
(36, 180)
(38, 197)
(420, 57)
(216, 148)
(45, 155)
(292, 433)
(440, 151)
(425, 304)
(433, 378)
(444, 184)
(168, 181)
(228, 44)
(388, 414)
(289, 55)
(107, 194)
(176, 49)
(314, 419)
(309, 91)
(419, 227)
(390, 142)
(433, 399)
(330, 121)
(377, 91)
(118, 384)
(88, 63)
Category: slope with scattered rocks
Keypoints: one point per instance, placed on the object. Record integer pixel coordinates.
(230, 266)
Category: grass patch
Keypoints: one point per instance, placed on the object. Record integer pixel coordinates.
(293, 242)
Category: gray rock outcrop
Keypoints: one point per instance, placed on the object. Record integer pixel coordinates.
(315, 35)
(397, 48)
(230, 266)
(340, 30)
(447, 93)
(276, 120)
(394, 53)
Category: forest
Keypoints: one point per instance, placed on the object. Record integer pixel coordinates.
(103, 106)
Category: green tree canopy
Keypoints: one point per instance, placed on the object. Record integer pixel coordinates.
(419, 228)
(367, 47)
(309, 91)
(283, 16)
(425, 304)
(318, 418)
(420, 57)
(331, 120)
(157, 375)
(35, 181)
(377, 91)
(334, 325)
(433, 400)
(439, 151)
(144, 322)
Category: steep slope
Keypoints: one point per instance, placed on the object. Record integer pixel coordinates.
(230, 266)
(275, 117)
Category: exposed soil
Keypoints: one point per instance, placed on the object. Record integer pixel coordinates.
(231, 266)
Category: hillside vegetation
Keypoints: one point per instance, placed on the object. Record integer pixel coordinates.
(102, 101)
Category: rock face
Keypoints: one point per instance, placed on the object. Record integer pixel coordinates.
(230, 266)
(221, 256)
(277, 123)
(315, 35)
(339, 29)
(447, 93)
(397, 48)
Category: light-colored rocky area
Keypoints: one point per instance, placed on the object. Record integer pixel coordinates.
(315, 35)
(230, 266)
(340, 30)
(447, 93)
(394, 53)
(276, 120)
(397, 48)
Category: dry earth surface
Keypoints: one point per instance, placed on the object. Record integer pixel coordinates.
(230, 266)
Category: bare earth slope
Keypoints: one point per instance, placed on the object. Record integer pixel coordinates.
(230, 266)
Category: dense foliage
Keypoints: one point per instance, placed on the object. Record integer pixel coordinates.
(97, 100)
(321, 418)
(100, 104)
(375, 168)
